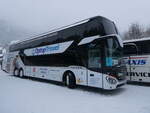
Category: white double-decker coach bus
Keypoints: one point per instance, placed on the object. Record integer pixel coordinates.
(86, 53)
(137, 58)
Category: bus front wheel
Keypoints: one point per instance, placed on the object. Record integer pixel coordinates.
(70, 80)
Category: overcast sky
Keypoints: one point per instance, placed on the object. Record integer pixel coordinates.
(43, 15)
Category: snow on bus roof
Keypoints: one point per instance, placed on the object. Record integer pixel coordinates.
(14, 42)
(135, 40)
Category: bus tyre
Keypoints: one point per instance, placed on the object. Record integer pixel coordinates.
(21, 73)
(70, 80)
(15, 72)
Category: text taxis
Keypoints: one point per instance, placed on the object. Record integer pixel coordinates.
(136, 62)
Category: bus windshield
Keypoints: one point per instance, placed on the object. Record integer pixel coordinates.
(107, 49)
(113, 52)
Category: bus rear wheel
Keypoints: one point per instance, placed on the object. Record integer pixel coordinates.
(21, 73)
(70, 80)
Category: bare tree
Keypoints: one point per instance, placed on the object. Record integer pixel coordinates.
(125, 35)
(135, 31)
(147, 32)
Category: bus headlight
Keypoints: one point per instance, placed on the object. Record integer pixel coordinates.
(111, 80)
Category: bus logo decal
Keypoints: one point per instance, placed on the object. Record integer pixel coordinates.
(49, 49)
(44, 50)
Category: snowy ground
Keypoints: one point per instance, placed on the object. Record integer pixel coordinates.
(27, 96)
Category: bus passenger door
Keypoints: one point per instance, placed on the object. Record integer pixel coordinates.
(94, 66)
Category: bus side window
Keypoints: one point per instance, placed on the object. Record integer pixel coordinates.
(130, 50)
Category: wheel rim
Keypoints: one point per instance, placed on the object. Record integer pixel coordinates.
(67, 80)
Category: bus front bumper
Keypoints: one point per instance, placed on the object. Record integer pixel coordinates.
(121, 83)
(111, 83)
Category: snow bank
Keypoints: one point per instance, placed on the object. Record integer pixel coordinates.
(26, 96)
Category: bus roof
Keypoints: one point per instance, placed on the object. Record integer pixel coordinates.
(136, 40)
(76, 31)
(54, 31)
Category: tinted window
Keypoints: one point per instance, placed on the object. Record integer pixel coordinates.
(143, 47)
(139, 47)
(52, 60)
(35, 43)
(130, 49)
